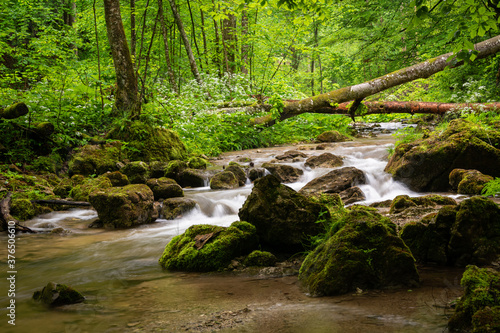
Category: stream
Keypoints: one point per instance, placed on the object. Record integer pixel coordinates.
(127, 291)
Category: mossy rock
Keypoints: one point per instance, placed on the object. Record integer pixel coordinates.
(475, 236)
(239, 173)
(55, 294)
(425, 164)
(332, 136)
(137, 172)
(22, 209)
(283, 217)
(95, 159)
(164, 188)
(82, 191)
(192, 178)
(197, 163)
(117, 178)
(256, 173)
(124, 207)
(284, 173)
(468, 181)
(148, 143)
(174, 208)
(175, 168)
(260, 259)
(478, 309)
(325, 160)
(224, 180)
(403, 202)
(157, 169)
(205, 248)
(335, 181)
(362, 254)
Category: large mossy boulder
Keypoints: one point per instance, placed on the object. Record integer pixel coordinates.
(164, 188)
(196, 162)
(425, 164)
(55, 294)
(95, 159)
(335, 181)
(283, 217)
(468, 181)
(224, 180)
(403, 202)
(137, 172)
(457, 235)
(205, 248)
(478, 310)
(148, 143)
(284, 173)
(124, 207)
(117, 178)
(364, 253)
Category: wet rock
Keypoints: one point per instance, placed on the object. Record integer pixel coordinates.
(291, 155)
(174, 208)
(364, 253)
(55, 294)
(260, 258)
(283, 217)
(468, 181)
(193, 178)
(457, 235)
(124, 207)
(325, 160)
(137, 172)
(284, 173)
(478, 309)
(335, 181)
(209, 248)
(403, 202)
(239, 173)
(324, 146)
(351, 195)
(95, 159)
(332, 136)
(22, 209)
(174, 169)
(425, 165)
(223, 181)
(117, 178)
(157, 169)
(164, 188)
(256, 173)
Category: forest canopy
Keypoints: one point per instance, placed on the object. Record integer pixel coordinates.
(190, 56)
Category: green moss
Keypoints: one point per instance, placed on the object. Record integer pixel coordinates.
(22, 209)
(224, 180)
(95, 159)
(174, 168)
(223, 245)
(260, 258)
(197, 163)
(481, 296)
(137, 172)
(82, 191)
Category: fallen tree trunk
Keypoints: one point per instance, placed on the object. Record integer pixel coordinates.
(14, 111)
(62, 202)
(332, 99)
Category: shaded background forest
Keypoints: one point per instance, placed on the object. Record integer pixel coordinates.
(56, 58)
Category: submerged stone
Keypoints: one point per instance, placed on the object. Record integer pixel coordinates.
(205, 248)
(174, 208)
(55, 294)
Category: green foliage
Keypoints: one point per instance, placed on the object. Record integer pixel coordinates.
(492, 188)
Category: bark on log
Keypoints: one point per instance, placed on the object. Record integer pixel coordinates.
(421, 70)
(14, 111)
(62, 202)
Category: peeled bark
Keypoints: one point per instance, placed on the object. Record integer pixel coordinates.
(127, 99)
(330, 100)
(14, 111)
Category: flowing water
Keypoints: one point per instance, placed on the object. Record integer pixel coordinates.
(126, 290)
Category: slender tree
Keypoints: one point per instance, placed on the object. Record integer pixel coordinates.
(166, 44)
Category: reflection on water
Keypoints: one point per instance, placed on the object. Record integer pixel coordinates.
(126, 289)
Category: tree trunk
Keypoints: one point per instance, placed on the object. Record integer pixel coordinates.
(229, 40)
(127, 101)
(170, 71)
(185, 40)
(245, 48)
(203, 33)
(133, 33)
(357, 92)
(193, 31)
